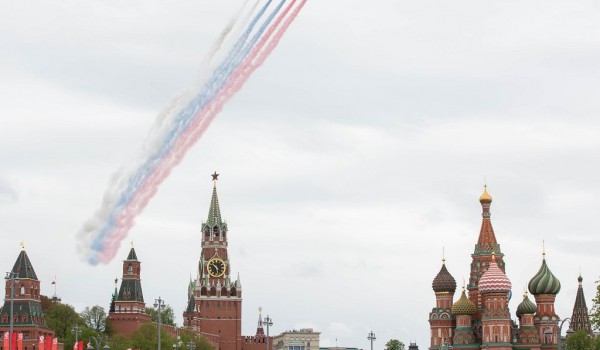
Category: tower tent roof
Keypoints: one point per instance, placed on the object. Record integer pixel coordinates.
(580, 319)
(23, 267)
(132, 255)
(214, 212)
(486, 243)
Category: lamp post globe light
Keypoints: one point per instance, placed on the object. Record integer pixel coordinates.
(371, 337)
(158, 305)
(268, 322)
(98, 343)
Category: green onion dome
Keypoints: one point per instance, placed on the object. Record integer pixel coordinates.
(544, 282)
(444, 282)
(494, 280)
(527, 307)
(464, 306)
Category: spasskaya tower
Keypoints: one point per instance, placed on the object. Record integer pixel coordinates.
(214, 300)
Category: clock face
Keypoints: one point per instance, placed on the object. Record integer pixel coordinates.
(216, 267)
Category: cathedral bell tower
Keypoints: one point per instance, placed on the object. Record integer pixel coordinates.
(214, 300)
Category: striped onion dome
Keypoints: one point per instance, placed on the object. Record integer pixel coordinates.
(464, 306)
(444, 282)
(494, 280)
(544, 281)
(527, 307)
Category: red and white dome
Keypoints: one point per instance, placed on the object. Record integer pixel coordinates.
(494, 280)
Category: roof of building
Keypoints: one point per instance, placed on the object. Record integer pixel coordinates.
(544, 281)
(23, 267)
(132, 255)
(444, 282)
(494, 280)
(464, 306)
(486, 243)
(214, 212)
(526, 307)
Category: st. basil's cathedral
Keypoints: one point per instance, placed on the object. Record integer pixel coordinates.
(482, 319)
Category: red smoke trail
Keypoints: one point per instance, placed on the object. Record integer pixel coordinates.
(200, 124)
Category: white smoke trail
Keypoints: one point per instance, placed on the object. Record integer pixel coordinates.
(120, 179)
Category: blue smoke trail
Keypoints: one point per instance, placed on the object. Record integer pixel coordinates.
(182, 120)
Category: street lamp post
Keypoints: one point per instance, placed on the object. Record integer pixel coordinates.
(98, 342)
(371, 337)
(268, 322)
(569, 331)
(76, 329)
(159, 304)
(11, 276)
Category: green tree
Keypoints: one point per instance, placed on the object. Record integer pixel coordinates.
(167, 316)
(94, 318)
(61, 318)
(595, 310)
(146, 338)
(580, 341)
(394, 344)
(188, 336)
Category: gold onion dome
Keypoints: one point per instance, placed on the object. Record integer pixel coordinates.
(485, 197)
(464, 306)
(444, 282)
(544, 281)
(526, 307)
(494, 280)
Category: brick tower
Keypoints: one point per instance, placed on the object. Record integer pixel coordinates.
(214, 300)
(545, 286)
(441, 321)
(28, 317)
(128, 310)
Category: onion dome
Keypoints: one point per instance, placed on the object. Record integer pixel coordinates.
(527, 307)
(444, 282)
(544, 281)
(494, 280)
(464, 306)
(485, 198)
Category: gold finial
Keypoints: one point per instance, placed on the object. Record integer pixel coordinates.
(22, 245)
(116, 281)
(493, 256)
(260, 309)
(464, 285)
(131, 244)
(543, 249)
(485, 197)
(443, 255)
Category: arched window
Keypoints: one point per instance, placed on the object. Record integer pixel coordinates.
(22, 289)
(223, 291)
(216, 231)
(203, 291)
(130, 269)
(206, 233)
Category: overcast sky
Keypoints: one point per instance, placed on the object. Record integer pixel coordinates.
(347, 161)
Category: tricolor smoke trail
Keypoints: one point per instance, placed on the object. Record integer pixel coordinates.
(243, 46)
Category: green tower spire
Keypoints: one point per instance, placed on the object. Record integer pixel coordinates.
(214, 212)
